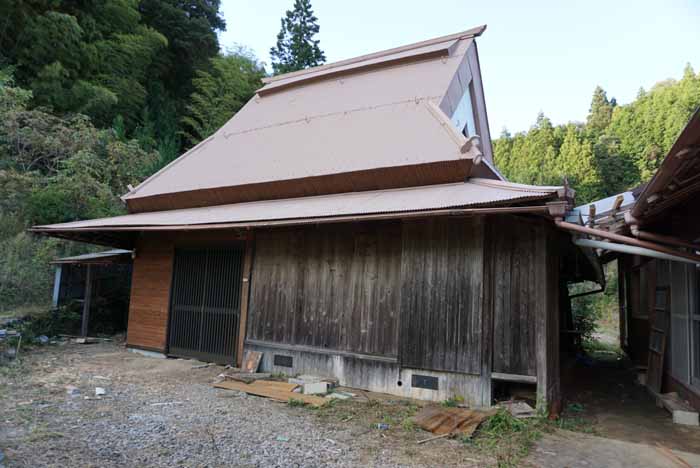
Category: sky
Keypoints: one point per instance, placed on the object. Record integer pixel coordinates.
(536, 56)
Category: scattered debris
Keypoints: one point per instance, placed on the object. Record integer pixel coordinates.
(251, 361)
(99, 391)
(519, 409)
(99, 377)
(316, 388)
(167, 403)
(43, 339)
(246, 377)
(340, 395)
(383, 426)
(72, 390)
(202, 366)
(85, 341)
(280, 391)
(429, 439)
(445, 420)
(282, 439)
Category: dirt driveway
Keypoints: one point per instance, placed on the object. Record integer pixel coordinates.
(159, 412)
(164, 412)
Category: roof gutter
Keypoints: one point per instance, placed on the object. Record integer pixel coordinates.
(631, 250)
(627, 240)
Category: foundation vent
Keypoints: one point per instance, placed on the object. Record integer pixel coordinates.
(424, 381)
(283, 361)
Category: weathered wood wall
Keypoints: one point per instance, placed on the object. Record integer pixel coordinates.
(519, 285)
(441, 294)
(522, 276)
(330, 287)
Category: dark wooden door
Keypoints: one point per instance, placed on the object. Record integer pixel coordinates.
(205, 303)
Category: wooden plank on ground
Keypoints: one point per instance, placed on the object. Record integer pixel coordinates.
(441, 420)
(251, 361)
(280, 391)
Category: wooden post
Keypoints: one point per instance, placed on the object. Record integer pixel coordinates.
(547, 352)
(57, 285)
(86, 301)
(245, 292)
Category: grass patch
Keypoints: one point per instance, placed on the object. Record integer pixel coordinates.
(453, 402)
(396, 413)
(296, 403)
(508, 439)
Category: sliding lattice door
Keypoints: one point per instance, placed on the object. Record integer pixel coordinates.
(205, 303)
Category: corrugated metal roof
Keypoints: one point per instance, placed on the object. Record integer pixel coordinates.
(475, 192)
(95, 257)
(364, 120)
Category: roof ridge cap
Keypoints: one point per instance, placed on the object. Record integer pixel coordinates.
(473, 32)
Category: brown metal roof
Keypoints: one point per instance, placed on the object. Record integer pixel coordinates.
(475, 192)
(379, 113)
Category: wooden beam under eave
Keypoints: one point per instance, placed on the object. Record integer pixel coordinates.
(245, 298)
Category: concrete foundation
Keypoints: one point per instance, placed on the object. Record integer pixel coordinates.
(376, 374)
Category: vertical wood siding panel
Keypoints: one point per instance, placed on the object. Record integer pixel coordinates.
(334, 287)
(519, 289)
(150, 294)
(431, 305)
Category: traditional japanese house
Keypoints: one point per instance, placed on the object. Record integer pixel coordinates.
(654, 233)
(349, 221)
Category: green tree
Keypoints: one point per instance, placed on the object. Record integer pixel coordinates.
(82, 57)
(576, 162)
(600, 113)
(220, 92)
(190, 27)
(296, 47)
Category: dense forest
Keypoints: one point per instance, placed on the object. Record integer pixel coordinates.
(98, 94)
(617, 148)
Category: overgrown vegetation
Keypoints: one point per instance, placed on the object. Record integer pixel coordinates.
(98, 95)
(596, 313)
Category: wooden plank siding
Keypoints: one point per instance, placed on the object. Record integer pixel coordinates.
(150, 294)
(328, 287)
(518, 285)
(523, 271)
(441, 300)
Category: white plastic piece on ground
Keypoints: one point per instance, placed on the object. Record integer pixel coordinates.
(316, 388)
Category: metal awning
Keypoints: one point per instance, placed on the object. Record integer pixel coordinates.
(105, 257)
(355, 206)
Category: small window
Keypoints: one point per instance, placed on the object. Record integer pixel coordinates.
(463, 116)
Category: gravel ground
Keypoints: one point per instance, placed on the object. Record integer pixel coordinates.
(162, 412)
